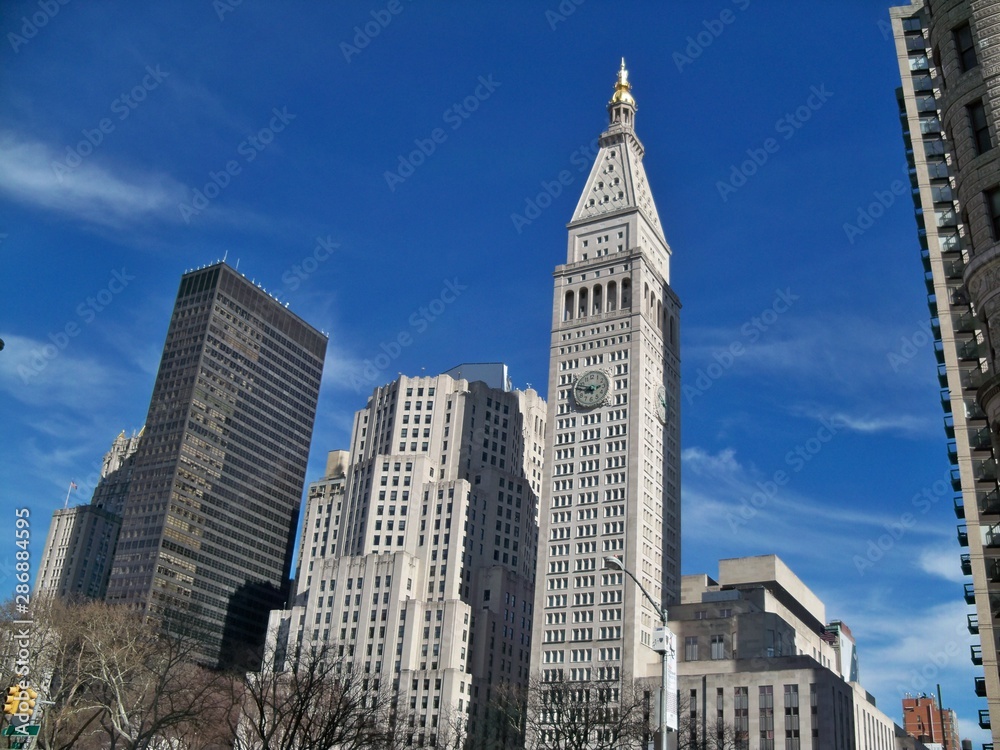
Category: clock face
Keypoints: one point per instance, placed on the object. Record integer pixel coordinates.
(591, 388)
(661, 404)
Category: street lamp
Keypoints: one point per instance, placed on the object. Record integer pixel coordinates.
(662, 644)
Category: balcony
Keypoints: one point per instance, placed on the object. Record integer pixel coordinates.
(970, 594)
(973, 623)
(972, 410)
(953, 452)
(989, 503)
(956, 480)
(977, 654)
(946, 400)
(959, 508)
(964, 323)
(953, 268)
(963, 535)
(966, 564)
(980, 439)
(968, 351)
(993, 570)
(981, 687)
(984, 718)
(985, 470)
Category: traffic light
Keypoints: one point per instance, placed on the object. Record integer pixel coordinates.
(26, 701)
(13, 698)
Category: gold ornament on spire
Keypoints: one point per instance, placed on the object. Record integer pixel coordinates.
(622, 88)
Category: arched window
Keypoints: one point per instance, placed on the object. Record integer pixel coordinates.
(598, 299)
(626, 294)
(568, 307)
(583, 303)
(612, 296)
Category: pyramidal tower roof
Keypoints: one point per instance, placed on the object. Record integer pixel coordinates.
(617, 180)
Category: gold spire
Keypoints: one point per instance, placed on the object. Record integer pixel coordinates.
(622, 88)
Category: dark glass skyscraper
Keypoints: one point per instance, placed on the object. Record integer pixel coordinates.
(209, 523)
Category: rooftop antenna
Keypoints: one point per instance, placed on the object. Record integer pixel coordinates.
(225, 255)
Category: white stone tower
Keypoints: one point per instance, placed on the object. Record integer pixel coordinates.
(611, 484)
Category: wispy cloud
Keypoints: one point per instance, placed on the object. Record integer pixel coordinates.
(908, 425)
(38, 373)
(89, 192)
(942, 562)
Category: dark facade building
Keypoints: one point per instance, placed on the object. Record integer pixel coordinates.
(209, 523)
(949, 62)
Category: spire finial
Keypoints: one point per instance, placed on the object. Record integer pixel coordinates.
(621, 95)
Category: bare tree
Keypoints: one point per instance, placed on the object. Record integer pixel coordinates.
(319, 703)
(110, 678)
(587, 715)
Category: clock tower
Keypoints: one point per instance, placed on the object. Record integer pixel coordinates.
(612, 444)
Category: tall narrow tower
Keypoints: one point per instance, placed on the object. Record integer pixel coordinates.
(612, 471)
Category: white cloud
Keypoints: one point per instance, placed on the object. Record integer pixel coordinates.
(28, 174)
(942, 562)
(704, 463)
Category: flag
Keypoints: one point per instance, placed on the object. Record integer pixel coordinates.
(72, 486)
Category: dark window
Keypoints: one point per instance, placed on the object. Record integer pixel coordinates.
(980, 127)
(965, 46)
(993, 208)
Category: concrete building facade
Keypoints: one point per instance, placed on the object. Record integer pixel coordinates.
(759, 666)
(209, 523)
(418, 552)
(80, 545)
(611, 482)
(949, 61)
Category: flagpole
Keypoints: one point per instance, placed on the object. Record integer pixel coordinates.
(72, 486)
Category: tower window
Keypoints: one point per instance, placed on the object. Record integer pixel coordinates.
(965, 46)
(979, 126)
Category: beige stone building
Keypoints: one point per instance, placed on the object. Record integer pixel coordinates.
(417, 554)
(80, 545)
(760, 666)
(949, 62)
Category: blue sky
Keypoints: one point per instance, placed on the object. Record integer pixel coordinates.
(360, 160)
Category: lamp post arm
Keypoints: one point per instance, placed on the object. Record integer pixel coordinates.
(660, 610)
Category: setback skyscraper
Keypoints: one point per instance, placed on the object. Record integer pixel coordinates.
(949, 62)
(418, 552)
(611, 483)
(209, 523)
